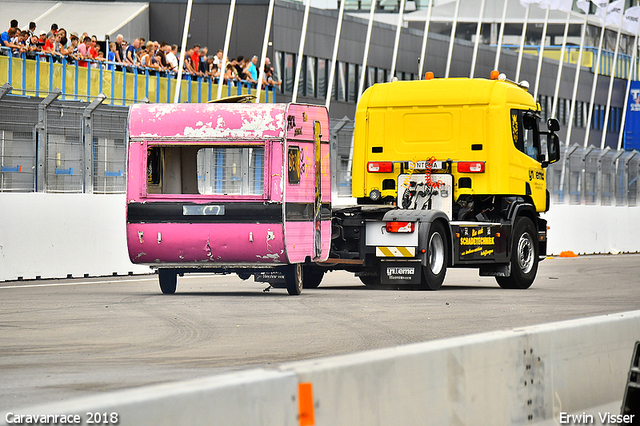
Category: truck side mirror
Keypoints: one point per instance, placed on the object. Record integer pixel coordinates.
(553, 125)
(553, 147)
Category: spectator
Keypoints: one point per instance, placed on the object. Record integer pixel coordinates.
(249, 70)
(111, 56)
(148, 57)
(119, 50)
(171, 57)
(130, 57)
(49, 45)
(93, 47)
(42, 39)
(32, 29)
(202, 61)
(72, 50)
(83, 51)
(240, 67)
(194, 57)
(217, 60)
(53, 31)
(10, 39)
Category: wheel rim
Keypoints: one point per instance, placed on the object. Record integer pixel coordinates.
(436, 253)
(525, 253)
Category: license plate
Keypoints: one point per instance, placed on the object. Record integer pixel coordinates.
(400, 273)
(422, 165)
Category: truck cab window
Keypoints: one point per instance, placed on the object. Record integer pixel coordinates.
(526, 137)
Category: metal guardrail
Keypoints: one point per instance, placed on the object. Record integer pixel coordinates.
(41, 73)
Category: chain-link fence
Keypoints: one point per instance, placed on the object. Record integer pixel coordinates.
(52, 145)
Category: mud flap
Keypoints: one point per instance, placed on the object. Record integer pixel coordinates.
(401, 272)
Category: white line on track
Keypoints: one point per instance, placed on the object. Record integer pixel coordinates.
(76, 283)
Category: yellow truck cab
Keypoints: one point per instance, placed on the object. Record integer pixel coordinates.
(458, 168)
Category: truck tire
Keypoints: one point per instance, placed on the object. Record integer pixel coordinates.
(293, 277)
(524, 256)
(168, 280)
(435, 270)
(312, 276)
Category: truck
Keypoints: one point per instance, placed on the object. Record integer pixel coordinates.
(446, 173)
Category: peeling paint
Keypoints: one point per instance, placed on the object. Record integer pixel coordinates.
(274, 256)
(140, 255)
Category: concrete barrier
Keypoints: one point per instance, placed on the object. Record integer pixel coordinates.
(529, 375)
(56, 235)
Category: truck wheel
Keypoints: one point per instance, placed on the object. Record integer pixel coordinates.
(293, 278)
(312, 276)
(524, 257)
(168, 280)
(434, 271)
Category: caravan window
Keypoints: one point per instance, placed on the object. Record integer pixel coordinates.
(206, 170)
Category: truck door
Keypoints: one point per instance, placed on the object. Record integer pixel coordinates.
(317, 205)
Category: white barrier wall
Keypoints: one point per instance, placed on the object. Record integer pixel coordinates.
(523, 376)
(593, 229)
(54, 235)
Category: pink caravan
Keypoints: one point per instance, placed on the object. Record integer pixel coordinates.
(229, 188)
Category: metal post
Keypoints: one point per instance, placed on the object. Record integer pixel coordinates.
(565, 167)
(365, 56)
(626, 94)
(300, 58)
(599, 180)
(41, 140)
(560, 66)
(475, 46)
(500, 37)
(583, 191)
(185, 35)
(625, 178)
(425, 36)
(334, 55)
(541, 53)
(454, 25)
(616, 160)
(593, 87)
(396, 43)
(87, 143)
(524, 34)
(265, 44)
(576, 79)
(613, 74)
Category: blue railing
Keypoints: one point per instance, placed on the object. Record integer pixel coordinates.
(41, 72)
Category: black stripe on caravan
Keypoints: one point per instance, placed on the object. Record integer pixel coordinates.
(245, 212)
(303, 212)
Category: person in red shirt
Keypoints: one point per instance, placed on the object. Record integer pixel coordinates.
(195, 57)
(93, 52)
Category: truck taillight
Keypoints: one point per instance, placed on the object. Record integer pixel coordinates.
(471, 166)
(406, 227)
(380, 167)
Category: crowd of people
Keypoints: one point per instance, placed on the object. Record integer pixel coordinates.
(147, 55)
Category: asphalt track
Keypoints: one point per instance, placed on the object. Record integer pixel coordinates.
(61, 339)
